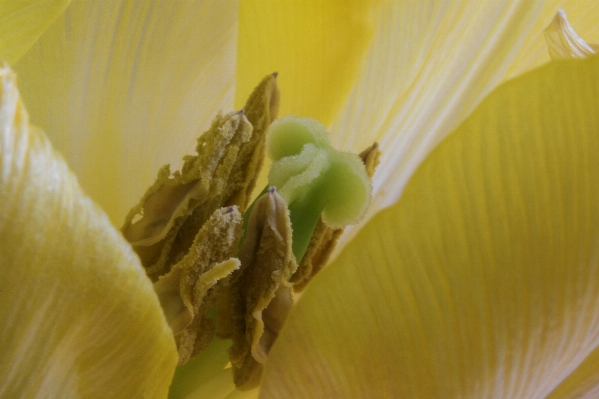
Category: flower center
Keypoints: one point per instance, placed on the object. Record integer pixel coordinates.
(209, 252)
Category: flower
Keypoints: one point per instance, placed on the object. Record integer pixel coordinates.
(479, 282)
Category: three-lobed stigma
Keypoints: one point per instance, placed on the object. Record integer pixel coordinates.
(314, 179)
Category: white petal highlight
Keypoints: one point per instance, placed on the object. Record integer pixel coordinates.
(563, 42)
(429, 65)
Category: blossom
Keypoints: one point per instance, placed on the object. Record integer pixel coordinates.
(480, 281)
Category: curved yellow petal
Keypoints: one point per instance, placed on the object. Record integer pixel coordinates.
(582, 14)
(429, 65)
(23, 22)
(482, 280)
(124, 87)
(317, 47)
(79, 316)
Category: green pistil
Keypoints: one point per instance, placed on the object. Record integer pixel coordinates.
(315, 179)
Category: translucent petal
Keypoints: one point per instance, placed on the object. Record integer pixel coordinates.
(316, 46)
(429, 65)
(23, 22)
(79, 316)
(562, 40)
(124, 87)
(482, 280)
(582, 14)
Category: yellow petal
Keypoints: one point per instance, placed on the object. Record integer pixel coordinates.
(482, 280)
(316, 46)
(125, 87)
(79, 316)
(582, 14)
(428, 67)
(23, 22)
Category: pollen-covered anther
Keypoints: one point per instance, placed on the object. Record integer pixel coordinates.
(371, 157)
(187, 226)
(260, 110)
(260, 296)
(162, 227)
(175, 207)
(192, 286)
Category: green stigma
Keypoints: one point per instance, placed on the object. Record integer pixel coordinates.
(314, 179)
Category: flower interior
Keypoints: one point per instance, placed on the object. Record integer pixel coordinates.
(225, 269)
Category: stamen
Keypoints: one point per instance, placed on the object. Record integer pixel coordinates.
(266, 264)
(177, 228)
(175, 207)
(188, 226)
(190, 289)
(261, 109)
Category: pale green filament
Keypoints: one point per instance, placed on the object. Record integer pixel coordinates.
(314, 179)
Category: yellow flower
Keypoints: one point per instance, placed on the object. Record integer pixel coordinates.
(480, 281)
